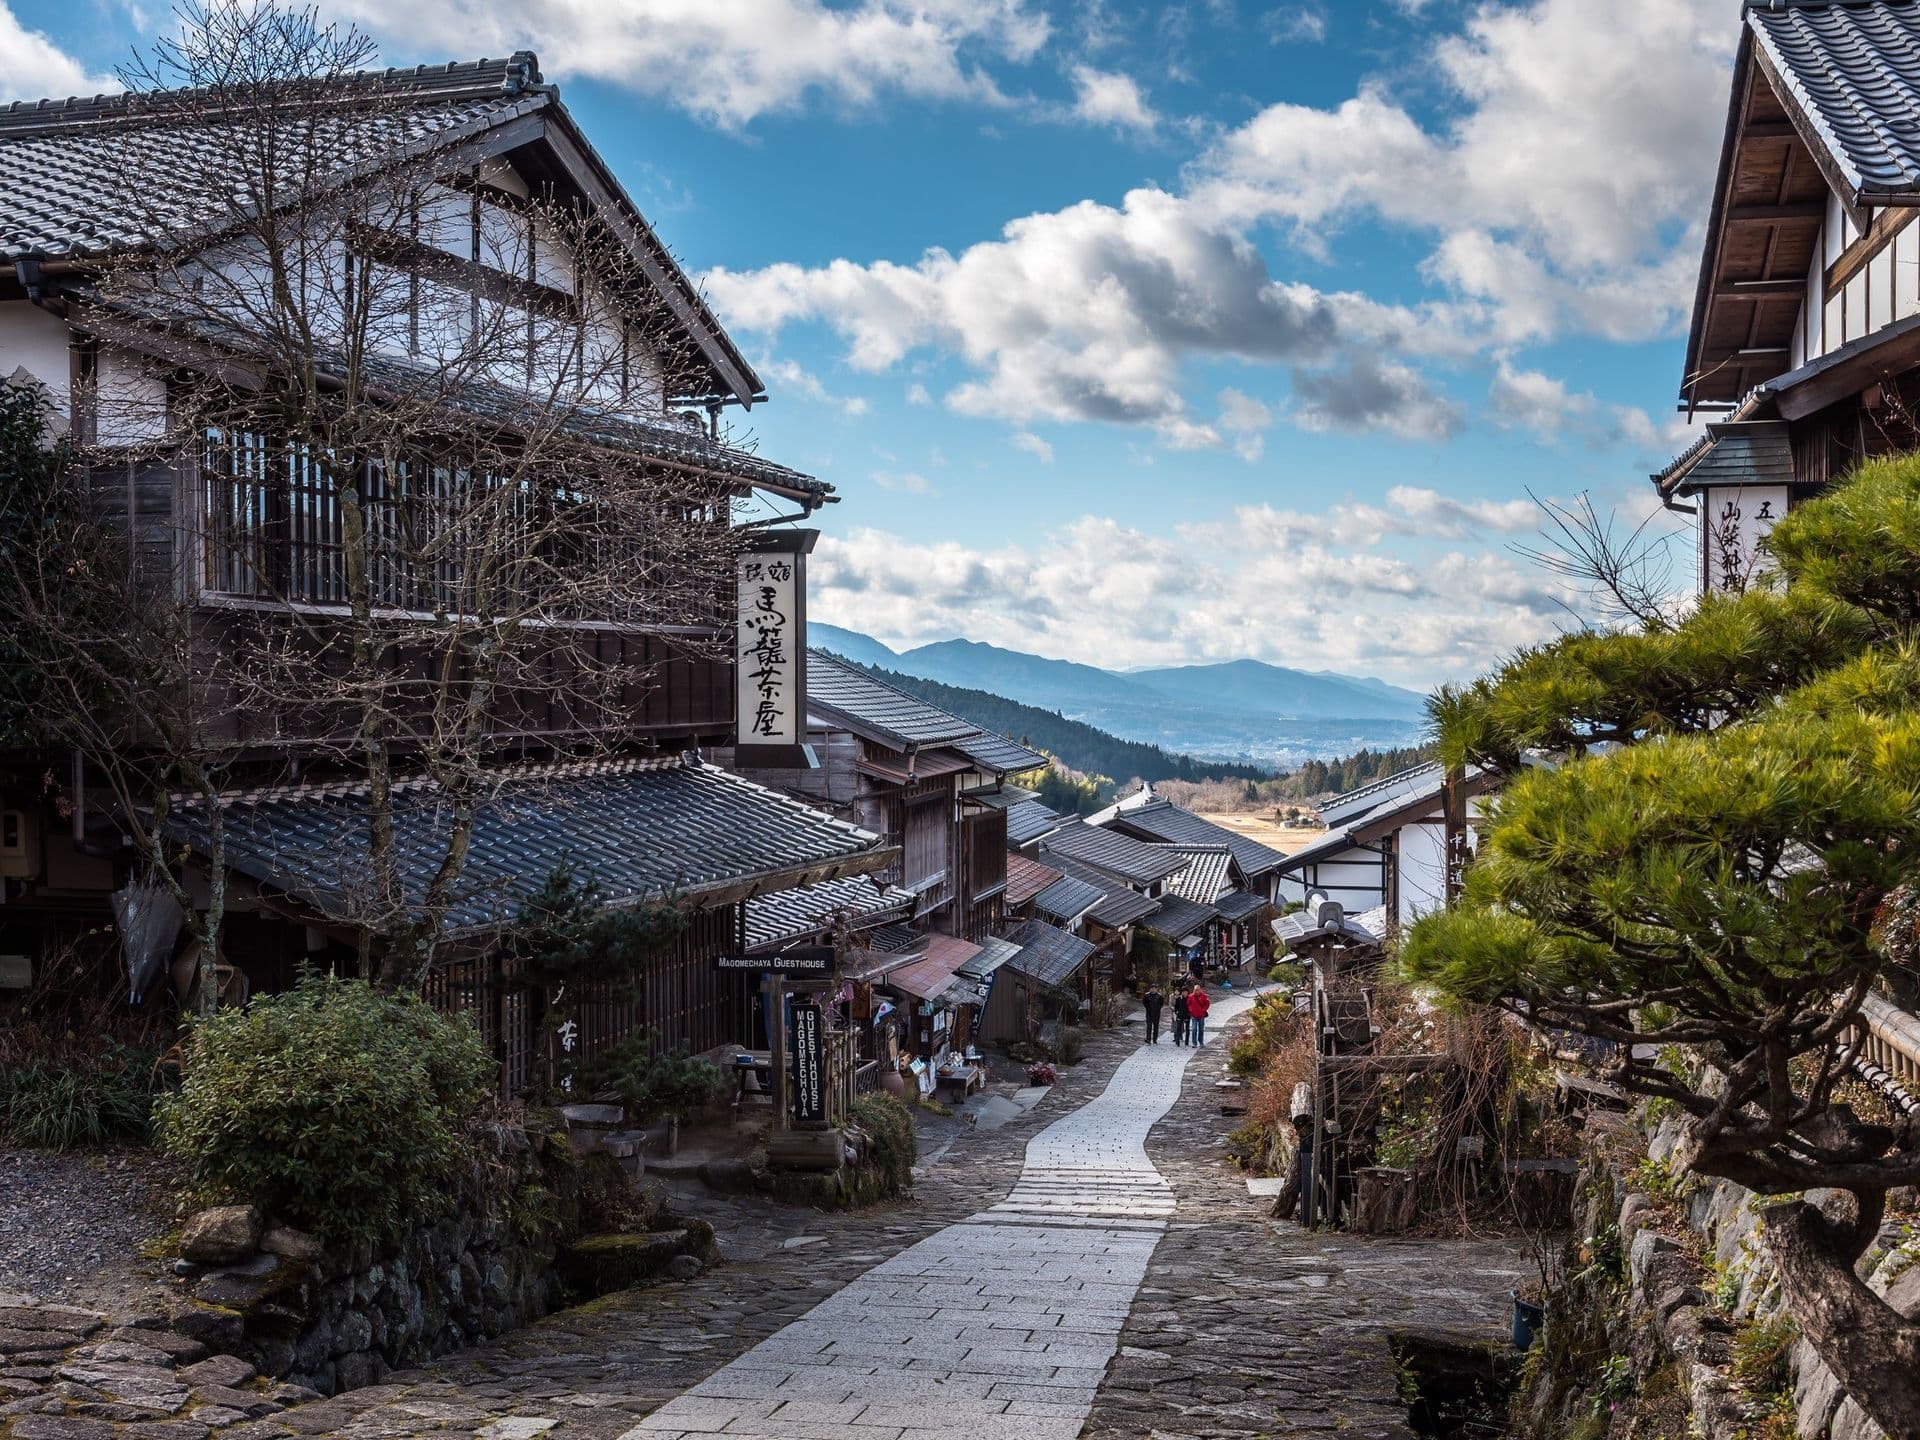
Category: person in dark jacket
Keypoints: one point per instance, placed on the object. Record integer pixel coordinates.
(1198, 1004)
(1180, 1015)
(1154, 1002)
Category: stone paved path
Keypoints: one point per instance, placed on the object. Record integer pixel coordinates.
(1248, 1327)
(1000, 1327)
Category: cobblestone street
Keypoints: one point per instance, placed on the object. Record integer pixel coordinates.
(1094, 1267)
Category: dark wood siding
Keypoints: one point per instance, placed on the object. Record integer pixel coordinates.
(681, 996)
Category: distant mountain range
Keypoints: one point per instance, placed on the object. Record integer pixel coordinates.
(1243, 711)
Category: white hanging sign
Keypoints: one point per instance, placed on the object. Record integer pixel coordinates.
(1734, 520)
(770, 673)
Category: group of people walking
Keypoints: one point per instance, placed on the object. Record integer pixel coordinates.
(1190, 1008)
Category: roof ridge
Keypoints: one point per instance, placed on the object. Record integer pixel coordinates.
(513, 76)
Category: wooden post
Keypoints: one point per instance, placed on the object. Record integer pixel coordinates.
(776, 993)
(1453, 809)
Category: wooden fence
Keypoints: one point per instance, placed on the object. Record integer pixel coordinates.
(843, 1070)
(1890, 1050)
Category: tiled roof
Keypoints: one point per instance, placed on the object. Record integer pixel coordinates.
(994, 952)
(784, 915)
(1028, 822)
(1000, 797)
(643, 830)
(1741, 453)
(1131, 860)
(662, 438)
(1122, 906)
(1048, 954)
(1345, 809)
(1068, 899)
(868, 706)
(1237, 906)
(71, 166)
(930, 976)
(1179, 917)
(1000, 755)
(1208, 872)
(1159, 819)
(1852, 70)
(1027, 878)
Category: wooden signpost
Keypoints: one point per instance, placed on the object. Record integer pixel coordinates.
(798, 1060)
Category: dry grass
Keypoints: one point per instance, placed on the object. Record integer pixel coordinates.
(1284, 838)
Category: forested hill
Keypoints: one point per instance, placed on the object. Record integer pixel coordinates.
(1078, 746)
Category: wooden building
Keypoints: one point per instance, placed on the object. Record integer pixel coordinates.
(1386, 845)
(932, 783)
(482, 142)
(1805, 334)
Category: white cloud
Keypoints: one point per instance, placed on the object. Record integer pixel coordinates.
(1246, 420)
(1583, 135)
(1452, 613)
(1107, 98)
(1365, 393)
(918, 394)
(1031, 443)
(798, 380)
(1546, 407)
(34, 68)
(1557, 198)
(730, 63)
(1303, 23)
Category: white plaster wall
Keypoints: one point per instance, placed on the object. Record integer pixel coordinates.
(35, 341)
(1421, 851)
(131, 400)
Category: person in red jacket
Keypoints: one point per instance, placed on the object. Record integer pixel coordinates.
(1197, 1007)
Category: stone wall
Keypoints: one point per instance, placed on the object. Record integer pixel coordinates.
(1662, 1287)
(336, 1318)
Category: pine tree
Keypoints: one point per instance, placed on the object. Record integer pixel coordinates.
(1738, 806)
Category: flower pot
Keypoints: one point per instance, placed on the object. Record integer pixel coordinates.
(893, 1084)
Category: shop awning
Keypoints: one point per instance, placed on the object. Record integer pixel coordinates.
(782, 916)
(931, 974)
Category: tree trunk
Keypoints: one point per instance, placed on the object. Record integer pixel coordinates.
(1872, 1348)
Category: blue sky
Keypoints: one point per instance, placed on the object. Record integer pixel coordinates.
(1150, 334)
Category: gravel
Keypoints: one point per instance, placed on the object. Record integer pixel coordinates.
(72, 1225)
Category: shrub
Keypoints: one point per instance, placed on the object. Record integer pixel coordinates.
(895, 1143)
(63, 1101)
(1290, 973)
(335, 1107)
(1761, 1352)
(1071, 1045)
(653, 1082)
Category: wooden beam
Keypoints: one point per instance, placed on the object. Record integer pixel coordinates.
(1758, 355)
(1789, 287)
(1895, 352)
(1879, 235)
(1773, 214)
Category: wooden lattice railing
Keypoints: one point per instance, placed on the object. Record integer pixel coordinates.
(1889, 1054)
(843, 1069)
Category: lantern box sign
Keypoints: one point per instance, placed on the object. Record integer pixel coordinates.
(770, 655)
(809, 1066)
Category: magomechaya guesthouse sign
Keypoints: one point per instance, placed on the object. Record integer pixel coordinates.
(770, 654)
(811, 960)
(809, 1065)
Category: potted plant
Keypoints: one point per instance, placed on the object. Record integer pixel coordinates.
(658, 1086)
